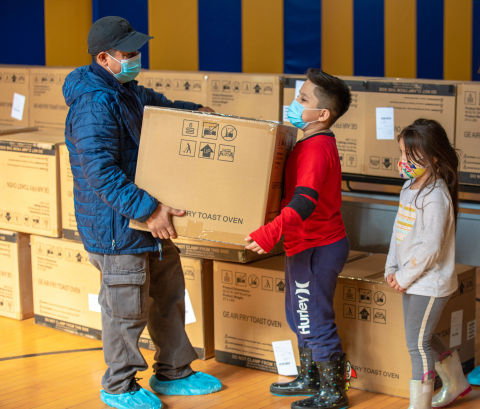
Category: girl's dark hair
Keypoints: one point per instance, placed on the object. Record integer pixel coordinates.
(426, 143)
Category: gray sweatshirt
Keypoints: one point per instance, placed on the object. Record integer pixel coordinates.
(422, 248)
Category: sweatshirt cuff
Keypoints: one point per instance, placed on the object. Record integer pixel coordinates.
(259, 238)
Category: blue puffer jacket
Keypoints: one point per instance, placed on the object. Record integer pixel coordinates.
(102, 135)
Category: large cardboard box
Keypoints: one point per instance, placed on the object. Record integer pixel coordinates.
(69, 223)
(47, 107)
(9, 129)
(29, 186)
(249, 312)
(199, 307)
(14, 83)
(467, 136)
(256, 96)
(394, 104)
(65, 287)
(226, 172)
(369, 317)
(15, 275)
(188, 86)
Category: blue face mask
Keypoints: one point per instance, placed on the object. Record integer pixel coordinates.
(130, 68)
(295, 112)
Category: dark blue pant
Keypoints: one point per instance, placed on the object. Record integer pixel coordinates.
(311, 278)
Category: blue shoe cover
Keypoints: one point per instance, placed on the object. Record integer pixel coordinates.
(474, 376)
(141, 399)
(198, 383)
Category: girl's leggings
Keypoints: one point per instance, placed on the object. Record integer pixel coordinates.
(421, 315)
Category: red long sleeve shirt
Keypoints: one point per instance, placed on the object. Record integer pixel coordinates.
(310, 214)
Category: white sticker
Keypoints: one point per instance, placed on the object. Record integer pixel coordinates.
(93, 304)
(284, 358)
(18, 105)
(471, 329)
(385, 123)
(285, 113)
(189, 314)
(456, 328)
(298, 86)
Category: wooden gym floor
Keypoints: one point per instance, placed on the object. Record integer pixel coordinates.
(46, 368)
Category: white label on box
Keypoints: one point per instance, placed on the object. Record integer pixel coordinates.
(284, 358)
(18, 105)
(385, 123)
(471, 329)
(285, 113)
(189, 314)
(456, 328)
(298, 86)
(93, 304)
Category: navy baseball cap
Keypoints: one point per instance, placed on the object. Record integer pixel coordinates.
(114, 32)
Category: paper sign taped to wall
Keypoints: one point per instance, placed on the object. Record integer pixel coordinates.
(18, 106)
(385, 123)
(284, 358)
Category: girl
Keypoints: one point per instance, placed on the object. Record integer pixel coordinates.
(421, 259)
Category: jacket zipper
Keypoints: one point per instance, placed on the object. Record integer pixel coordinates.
(113, 230)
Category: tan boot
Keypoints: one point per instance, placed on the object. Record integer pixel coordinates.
(421, 394)
(454, 382)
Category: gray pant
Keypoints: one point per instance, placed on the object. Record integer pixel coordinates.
(139, 290)
(421, 315)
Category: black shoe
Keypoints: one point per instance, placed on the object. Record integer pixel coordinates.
(332, 391)
(306, 383)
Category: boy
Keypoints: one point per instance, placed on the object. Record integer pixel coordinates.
(315, 242)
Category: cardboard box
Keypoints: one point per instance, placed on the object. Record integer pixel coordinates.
(256, 96)
(249, 312)
(405, 100)
(7, 130)
(65, 287)
(229, 169)
(199, 307)
(14, 80)
(47, 107)
(467, 135)
(369, 312)
(214, 250)
(188, 86)
(15, 275)
(69, 222)
(29, 187)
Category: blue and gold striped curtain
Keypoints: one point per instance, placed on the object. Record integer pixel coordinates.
(438, 39)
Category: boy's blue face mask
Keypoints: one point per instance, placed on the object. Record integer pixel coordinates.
(130, 68)
(295, 112)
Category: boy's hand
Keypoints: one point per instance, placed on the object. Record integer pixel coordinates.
(160, 222)
(253, 246)
(392, 282)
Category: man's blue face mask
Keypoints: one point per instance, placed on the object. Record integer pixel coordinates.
(130, 68)
(295, 112)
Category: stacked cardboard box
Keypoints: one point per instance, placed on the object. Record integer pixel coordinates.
(29, 187)
(370, 323)
(14, 93)
(15, 275)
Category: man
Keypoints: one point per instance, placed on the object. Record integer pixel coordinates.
(102, 135)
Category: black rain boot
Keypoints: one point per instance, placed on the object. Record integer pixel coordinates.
(332, 393)
(306, 383)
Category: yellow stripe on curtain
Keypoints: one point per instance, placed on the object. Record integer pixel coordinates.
(457, 56)
(66, 29)
(400, 38)
(174, 26)
(262, 36)
(337, 36)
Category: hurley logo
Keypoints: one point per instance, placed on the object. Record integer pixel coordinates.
(303, 295)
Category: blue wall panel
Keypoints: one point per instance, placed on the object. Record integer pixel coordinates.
(302, 35)
(220, 35)
(135, 12)
(369, 38)
(22, 30)
(430, 16)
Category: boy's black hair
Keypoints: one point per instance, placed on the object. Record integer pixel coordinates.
(332, 93)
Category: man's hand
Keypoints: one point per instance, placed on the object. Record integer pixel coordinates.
(253, 246)
(160, 222)
(205, 109)
(392, 282)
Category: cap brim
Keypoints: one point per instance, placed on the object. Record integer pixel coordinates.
(133, 42)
